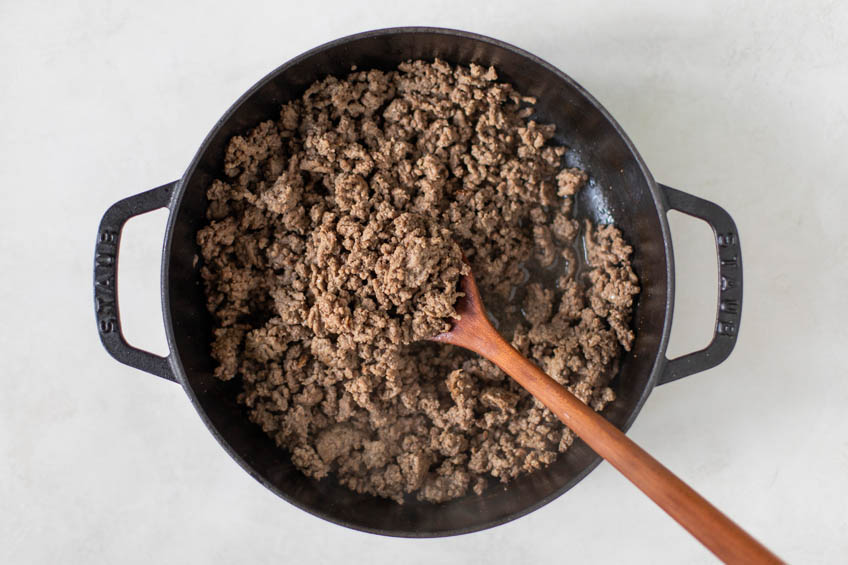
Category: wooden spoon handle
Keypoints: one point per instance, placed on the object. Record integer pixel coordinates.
(717, 532)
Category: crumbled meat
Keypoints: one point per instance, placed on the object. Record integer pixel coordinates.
(333, 246)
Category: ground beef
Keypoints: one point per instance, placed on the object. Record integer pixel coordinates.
(333, 246)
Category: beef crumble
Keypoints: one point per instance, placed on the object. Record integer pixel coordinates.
(334, 245)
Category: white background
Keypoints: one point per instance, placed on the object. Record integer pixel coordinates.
(743, 103)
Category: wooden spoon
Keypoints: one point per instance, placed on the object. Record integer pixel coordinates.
(717, 532)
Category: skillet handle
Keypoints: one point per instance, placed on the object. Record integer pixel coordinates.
(106, 283)
(729, 312)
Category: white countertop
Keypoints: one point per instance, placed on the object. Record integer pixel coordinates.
(742, 103)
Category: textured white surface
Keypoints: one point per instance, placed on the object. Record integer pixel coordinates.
(743, 103)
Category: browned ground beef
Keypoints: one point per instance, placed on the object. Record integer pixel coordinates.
(333, 244)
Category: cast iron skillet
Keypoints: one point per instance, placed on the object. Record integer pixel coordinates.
(621, 190)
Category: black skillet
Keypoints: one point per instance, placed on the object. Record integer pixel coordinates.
(621, 190)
